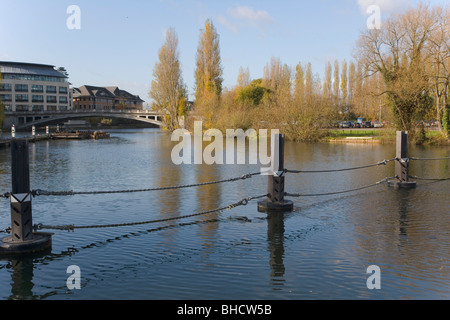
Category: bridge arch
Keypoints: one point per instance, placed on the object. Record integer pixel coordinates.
(40, 119)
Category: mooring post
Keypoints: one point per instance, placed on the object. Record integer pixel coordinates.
(21, 213)
(22, 239)
(276, 179)
(402, 163)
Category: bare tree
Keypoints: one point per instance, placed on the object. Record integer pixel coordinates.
(243, 77)
(399, 52)
(439, 67)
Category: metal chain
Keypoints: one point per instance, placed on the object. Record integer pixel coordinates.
(431, 179)
(384, 162)
(39, 192)
(7, 230)
(444, 158)
(338, 192)
(5, 195)
(243, 202)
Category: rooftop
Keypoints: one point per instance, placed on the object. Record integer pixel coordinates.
(110, 92)
(9, 67)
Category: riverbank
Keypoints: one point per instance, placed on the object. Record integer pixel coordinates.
(379, 136)
(64, 135)
(7, 142)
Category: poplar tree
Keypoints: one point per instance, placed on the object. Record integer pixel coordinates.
(336, 82)
(351, 82)
(208, 74)
(344, 83)
(167, 89)
(299, 89)
(308, 84)
(327, 81)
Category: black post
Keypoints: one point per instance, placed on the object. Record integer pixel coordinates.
(276, 201)
(23, 239)
(21, 213)
(402, 163)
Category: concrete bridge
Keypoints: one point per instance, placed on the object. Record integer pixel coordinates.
(26, 119)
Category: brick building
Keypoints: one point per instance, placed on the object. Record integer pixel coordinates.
(105, 98)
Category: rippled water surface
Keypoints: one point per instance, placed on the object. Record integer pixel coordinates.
(321, 250)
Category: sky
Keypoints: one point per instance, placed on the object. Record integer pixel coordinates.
(116, 42)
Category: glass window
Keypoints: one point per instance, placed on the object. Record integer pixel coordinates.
(21, 108)
(63, 90)
(37, 108)
(37, 88)
(6, 97)
(37, 98)
(21, 88)
(5, 87)
(51, 99)
(63, 99)
(51, 89)
(34, 78)
(21, 98)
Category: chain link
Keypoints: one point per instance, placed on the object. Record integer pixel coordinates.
(243, 202)
(384, 162)
(7, 230)
(430, 179)
(443, 158)
(39, 192)
(338, 192)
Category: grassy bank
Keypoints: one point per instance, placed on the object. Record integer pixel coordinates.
(432, 137)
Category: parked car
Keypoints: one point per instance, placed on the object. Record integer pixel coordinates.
(377, 124)
(366, 124)
(346, 124)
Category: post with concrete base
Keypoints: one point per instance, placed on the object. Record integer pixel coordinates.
(276, 201)
(402, 163)
(22, 239)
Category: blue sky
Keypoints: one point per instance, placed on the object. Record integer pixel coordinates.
(118, 42)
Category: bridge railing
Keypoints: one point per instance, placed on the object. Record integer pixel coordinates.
(131, 111)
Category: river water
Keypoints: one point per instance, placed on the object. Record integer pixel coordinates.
(321, 250)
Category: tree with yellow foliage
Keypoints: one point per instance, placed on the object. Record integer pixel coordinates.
(168, 90)
(208, 74)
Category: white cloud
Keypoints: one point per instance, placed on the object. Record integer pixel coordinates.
(387, 7)
(250, 15)
(243, 16)
(232, 26)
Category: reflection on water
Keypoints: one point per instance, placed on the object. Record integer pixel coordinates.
(319, 251)
(275, 239)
